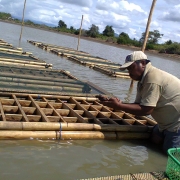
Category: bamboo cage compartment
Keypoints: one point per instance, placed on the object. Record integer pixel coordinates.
(62, 117)
(97, 63)
(44, 81)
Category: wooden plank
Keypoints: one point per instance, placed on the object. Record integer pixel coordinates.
(2, 112)
(80, 112)
(24, 117)
(10, 109)
(56, 105)
(58, 116)
(29, 110)
(25, 103)
(70, 119)
(38, 109)
(54, 118)
(7, 101)
(63, 112)
(47, 111)
(34, 118)
(13, 117)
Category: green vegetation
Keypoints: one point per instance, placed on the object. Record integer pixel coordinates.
(108, 31)
(107, 35)
(5, 16)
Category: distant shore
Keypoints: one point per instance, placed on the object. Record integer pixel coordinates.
(133, 48)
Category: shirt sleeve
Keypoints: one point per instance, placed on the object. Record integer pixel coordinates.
(149, 95)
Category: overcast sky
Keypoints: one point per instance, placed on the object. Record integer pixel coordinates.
(129, 16)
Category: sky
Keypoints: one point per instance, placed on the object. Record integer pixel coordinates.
(129, 16)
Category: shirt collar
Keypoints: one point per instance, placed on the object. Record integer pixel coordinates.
(147, 68)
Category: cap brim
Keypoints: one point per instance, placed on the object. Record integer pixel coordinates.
(124, 66)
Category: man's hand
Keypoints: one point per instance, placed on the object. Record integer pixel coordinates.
(110, 102)
(102, 98)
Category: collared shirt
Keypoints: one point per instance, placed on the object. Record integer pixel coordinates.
(160, 90)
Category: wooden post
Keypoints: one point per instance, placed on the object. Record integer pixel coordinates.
(148, 26)
(79, 34)
(22, 23)
(147, 31)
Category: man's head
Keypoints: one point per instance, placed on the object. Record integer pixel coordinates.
(135, 63)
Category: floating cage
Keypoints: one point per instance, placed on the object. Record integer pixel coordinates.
(97, 63)
(64, 117)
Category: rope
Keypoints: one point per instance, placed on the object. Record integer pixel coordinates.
(60, 129)
(38, 97)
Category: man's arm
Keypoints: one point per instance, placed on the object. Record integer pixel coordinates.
(133, 108)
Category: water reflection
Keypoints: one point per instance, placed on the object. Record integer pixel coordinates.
(135, 155)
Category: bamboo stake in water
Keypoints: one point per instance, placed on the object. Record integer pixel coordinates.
(79, 34)
(147, 31)
(22, 23)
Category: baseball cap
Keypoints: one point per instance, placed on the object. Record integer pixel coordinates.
(135, 56)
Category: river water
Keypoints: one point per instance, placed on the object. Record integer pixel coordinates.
(76, 159)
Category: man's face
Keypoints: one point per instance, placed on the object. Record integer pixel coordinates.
(136, 70)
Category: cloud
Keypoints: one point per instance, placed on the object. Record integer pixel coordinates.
(83, 3)
(171, 15)
(172, 1)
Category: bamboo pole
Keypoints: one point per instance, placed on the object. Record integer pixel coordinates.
(87, 57)
(41, 78)
(148, 26)
(32, 86)
(23, 64)
(64, 97)
(22, 23)
(27, 59)
(147, 31)
(39, 82)
(56, 126)
(22, 61)
(66, 135)
(56, 135)
(79, 33)
(11, 50)
(65, 50)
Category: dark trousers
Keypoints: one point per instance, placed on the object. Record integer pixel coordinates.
(166, 138)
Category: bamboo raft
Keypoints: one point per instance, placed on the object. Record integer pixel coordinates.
(102, 65)
(44, 81)
(10, 55)
(26, 116)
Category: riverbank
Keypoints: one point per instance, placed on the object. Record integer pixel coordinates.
(133, 48)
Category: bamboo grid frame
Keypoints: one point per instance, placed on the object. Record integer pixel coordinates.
(63, 117)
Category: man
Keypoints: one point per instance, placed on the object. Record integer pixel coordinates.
(158, 95)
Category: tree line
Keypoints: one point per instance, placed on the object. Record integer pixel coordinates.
(109, 35)
(123, 38)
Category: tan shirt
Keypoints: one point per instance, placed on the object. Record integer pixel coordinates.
(161, 90)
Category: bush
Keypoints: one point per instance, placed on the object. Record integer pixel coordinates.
(173, 48)
(150, 47)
